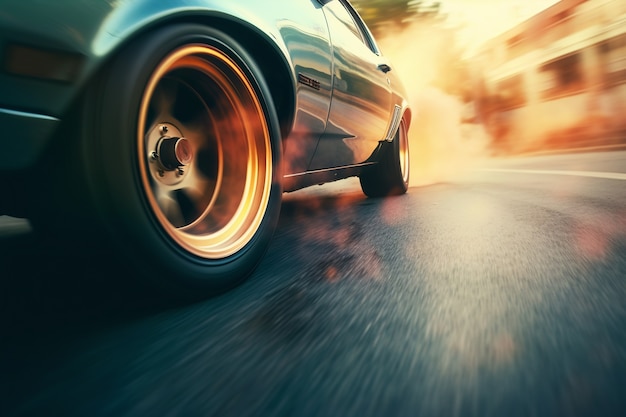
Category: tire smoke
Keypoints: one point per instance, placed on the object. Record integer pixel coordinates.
(442, 144)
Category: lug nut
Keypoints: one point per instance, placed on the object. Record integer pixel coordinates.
(164, 129)
(154, 156)
(180, 171)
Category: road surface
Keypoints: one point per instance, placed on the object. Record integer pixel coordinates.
(498, 293)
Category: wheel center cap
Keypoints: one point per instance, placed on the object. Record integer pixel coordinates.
(183, 151)
(175, 152)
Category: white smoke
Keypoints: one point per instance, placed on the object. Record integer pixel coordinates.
(441, 145)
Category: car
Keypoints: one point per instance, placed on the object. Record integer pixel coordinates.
(170, 130)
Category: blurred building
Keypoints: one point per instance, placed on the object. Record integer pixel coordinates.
(556, 80)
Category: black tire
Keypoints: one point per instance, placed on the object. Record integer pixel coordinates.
(390, 176)
(179, 151)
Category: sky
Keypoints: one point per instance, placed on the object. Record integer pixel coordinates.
(484, 19)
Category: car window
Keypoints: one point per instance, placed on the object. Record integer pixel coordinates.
(351, 18)
(360, 26)
(341, 12)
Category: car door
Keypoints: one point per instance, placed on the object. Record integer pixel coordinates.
(361, 102)
(305, 34)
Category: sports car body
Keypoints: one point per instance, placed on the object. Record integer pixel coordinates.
(171, 128)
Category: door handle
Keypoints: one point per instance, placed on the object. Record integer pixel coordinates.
(384, 68)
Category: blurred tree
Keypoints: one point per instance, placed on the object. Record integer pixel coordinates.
(396, 14)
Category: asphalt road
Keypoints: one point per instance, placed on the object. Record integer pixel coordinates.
(501, 292)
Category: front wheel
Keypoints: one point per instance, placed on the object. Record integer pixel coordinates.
(390, 176)
(180, 149)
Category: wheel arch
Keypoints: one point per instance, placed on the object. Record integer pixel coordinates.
(259, 43)
(407, 116)
(274, 65)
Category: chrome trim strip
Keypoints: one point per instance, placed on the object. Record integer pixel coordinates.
(317, 171)
(395, 122)
(28, 115)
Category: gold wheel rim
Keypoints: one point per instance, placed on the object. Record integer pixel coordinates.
(213, 205)
(403, 144)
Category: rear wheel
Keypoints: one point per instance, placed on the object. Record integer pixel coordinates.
(391, 175)
(180, 151)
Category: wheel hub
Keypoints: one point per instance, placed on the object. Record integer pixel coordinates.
(171, 155)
